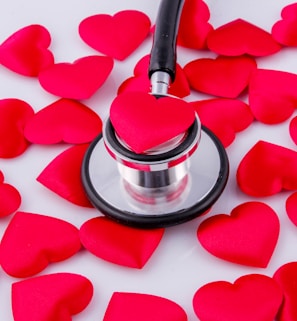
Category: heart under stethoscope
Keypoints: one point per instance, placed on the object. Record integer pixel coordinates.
(170, 184)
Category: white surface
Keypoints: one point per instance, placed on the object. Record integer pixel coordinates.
(180, 265)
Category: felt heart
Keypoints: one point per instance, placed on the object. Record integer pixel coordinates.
(194, 26)
(115, 36)
(52, 297)
(224, 76)
(293, 129)
(64, 120)
(144, 122)
(267, 169)
(62, 175)
(10, 198)
(26, 51)
(119, 244)
(14, 114)
(291, 207)
(272, 95)
(284, 30)
(240, 37)
(141, 82)
(127, 306)
(247, 236)
(251, 297)
(285, 276)
(224, 117)
(77, 80)
(32, 241)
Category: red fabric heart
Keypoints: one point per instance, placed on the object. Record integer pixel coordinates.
(240, 37)
(248, 236)
(194, 26)
(122, 245)
(32, 241)
(225, 117)
(77, 80)
(64, 120)
(251, 297)
(285, 276)
(52, 297)
(14, 114)
(284, 31)
(26, 51)
(272, 95)
(10, 198)
(63, 175)
(115, 36)
(293, 129)
(144, 121)
(267, 169)
(126, 306)
(291, 208)
(224, 76)
(141, 82)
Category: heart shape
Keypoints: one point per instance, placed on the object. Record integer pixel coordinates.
(127, 306)
(284, 30)
(144, 122)
(272, 95)
(224, 117)
(65, 120)
(32, 241)
(285, 276)
(240, 37)
(141, 82)
(52, 297)
(224, 76)
(26, 51)
(115, 36)
(77, 80)
(291, 205)
(62, 175)
(251, 297)
(293, 129)
(247, 236)
(119, 244)
(14, 114)
(10, 198)
(267, 169)
(194, 26)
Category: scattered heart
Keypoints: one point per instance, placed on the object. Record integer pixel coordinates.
(291, 207)
(32, 241)
(293, 129)
(77, 80)
(115, 36)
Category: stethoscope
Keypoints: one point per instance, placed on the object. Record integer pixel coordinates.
(171, 184)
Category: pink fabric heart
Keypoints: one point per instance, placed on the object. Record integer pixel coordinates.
(284, 30)
(10, 198)
(285, 276)
(291, 207)
(144, 121)
(247, 236)
(224, 76)
(77, 80)
(194, 26)
(225, 117)
(141, 82)
(293, 129)
(115, 36)
(272, 95)
(240, 37)
(14, 114)
(52, 297)
(64, 120)
(63, 175)
(251, 297)
(26, 51)
(267, 169)
(127, 306)
(32, 241)
(119, 244)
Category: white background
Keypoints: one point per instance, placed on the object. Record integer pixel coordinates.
(180, 265)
